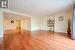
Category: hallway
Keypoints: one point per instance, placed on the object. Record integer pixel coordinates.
(41, 40)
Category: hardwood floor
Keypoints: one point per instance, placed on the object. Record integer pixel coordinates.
(37, 40)
(1, 43)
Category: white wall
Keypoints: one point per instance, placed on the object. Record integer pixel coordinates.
(61, 26)
(26, 24)
(8, 25)
(40, 23)
(44, 23)
(35, 23)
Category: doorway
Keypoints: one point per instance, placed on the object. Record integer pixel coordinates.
(18, 26)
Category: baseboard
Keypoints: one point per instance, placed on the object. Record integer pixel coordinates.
(48, 31)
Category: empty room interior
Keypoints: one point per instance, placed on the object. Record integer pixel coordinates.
(38, 25)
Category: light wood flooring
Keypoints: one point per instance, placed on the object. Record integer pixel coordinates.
(37, 40)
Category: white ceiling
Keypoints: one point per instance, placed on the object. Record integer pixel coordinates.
(40, 7)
